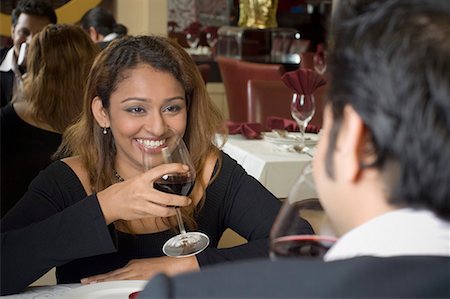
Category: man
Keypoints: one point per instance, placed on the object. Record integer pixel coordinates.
(28, 18)
(381, 167)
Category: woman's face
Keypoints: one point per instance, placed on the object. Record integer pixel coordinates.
(146, 106)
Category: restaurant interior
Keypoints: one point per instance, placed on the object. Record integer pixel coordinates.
(242, 54)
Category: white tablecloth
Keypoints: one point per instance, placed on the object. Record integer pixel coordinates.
(275, 167)
(54, 291)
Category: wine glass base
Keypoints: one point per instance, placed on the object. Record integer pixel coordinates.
(184, 245)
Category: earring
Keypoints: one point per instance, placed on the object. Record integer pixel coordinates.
(105, 131)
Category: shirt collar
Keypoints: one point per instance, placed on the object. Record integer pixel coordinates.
(110, 37)
(400, 232)
(8, 63)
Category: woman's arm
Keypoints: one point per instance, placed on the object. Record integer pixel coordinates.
(248, 208)
(52, 224)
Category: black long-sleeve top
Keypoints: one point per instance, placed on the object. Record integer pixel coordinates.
(57, 224)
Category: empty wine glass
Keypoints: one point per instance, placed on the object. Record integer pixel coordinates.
(319, 60)
(192, 38)
(302, 110)
(175, 151)
(287, 236)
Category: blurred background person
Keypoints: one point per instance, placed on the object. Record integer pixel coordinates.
(101, 26)
(59, 59)
(28, 18)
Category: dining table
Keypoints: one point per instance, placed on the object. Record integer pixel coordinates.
(272, 160)
(47, 291)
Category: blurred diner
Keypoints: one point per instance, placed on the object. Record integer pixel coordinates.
(58, 62)
(27, 19)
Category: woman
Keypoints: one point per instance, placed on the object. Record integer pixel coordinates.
(97, 214)
(59, 59)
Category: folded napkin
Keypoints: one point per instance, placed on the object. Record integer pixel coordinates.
(279, 123)
(303, 81)
(248, 130)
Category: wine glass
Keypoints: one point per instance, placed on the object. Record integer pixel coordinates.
(302, 110)
(192, 38)
(320, 63)
(174, 150)
(211, 39)
(287, 236)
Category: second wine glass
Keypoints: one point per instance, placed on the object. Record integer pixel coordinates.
(302, 110)
(175, 151)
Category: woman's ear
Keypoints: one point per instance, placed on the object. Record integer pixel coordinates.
(351, 142)
(100, 113)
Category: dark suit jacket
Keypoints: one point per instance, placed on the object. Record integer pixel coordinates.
(361, 277)
(6, 82)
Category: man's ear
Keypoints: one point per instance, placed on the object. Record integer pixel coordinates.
(350, 145)
(93, 34)
(100, 113)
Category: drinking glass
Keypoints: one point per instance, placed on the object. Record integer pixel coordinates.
(286, 237)
(320, 63)
(192, 38)
(302, 110)
(174, 150)
(211, 39)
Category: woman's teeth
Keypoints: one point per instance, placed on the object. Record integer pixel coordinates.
(151, 143)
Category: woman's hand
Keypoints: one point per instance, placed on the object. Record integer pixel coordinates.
(136, 198)
(144, 269)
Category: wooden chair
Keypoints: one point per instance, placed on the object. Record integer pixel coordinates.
(235, 74)
(273, 98)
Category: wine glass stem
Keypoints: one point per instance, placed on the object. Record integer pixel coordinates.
(180, 221)
(302, 134)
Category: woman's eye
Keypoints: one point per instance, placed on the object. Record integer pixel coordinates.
(172, 108)
(135, 110)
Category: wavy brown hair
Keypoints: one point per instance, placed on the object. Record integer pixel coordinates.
(58, 63)
(97, 150)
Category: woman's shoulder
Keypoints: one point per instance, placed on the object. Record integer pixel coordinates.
(77, 166)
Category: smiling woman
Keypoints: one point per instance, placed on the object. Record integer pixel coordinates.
(100, 205)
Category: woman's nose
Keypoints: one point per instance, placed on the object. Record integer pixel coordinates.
(156, 124)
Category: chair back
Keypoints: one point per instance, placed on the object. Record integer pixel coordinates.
(205, 71)
(235, 74)
(307, 60)
(268, 98)
(273, 98)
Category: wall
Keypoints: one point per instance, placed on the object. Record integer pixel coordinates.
(143, 16)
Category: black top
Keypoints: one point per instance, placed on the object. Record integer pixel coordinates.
(64, 228)
(360, 277)
(25, 150)
(6, 81)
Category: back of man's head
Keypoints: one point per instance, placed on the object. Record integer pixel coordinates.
(390, 61)
(40, 8)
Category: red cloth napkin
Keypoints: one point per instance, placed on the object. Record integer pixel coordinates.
(279, 123)
(248, 130)
(303, 81)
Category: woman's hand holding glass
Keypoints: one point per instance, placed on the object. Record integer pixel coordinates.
(136, 197)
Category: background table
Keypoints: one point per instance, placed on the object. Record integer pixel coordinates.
(275, 167)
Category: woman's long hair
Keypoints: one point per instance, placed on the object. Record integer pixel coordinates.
(58, 63)
(97, 150)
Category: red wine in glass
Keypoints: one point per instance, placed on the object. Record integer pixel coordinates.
(301, 246)
(175, 184)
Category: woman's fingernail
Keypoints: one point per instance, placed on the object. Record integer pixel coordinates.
(84, 280)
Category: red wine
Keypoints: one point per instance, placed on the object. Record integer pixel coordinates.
(301, 245)
(175, 184)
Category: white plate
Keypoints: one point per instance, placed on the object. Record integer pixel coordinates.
(120, 289)
(291, 138)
